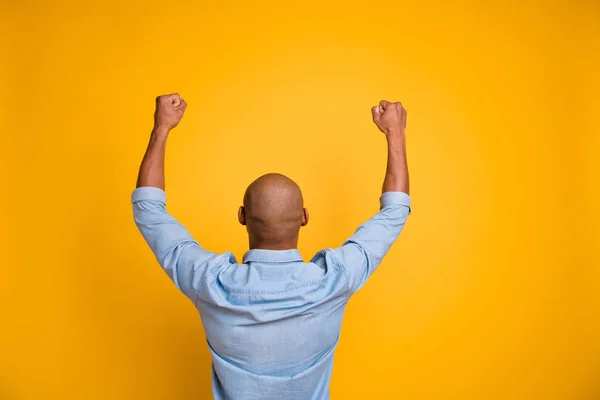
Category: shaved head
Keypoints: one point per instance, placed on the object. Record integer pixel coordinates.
(273, 212)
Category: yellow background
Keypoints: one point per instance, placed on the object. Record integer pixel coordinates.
(492, 290)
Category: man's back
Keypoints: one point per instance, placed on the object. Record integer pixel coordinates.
(272, 322)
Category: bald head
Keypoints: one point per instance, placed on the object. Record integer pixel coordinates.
(273, 212)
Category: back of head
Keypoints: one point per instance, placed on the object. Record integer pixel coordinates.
(273, 212)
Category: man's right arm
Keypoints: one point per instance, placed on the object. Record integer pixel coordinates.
(181, 257)
(362, 253)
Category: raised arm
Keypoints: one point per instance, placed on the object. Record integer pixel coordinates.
(362, 253)
(167, 115)
(175, 249)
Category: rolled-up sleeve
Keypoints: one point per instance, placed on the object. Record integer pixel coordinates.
(181, 257)
(362, 253)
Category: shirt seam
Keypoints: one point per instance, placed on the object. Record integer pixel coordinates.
(299, 286)
(257, 291)
(211, 271)
(338, 265)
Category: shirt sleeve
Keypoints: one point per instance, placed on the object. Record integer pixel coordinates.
(362, 253)
(181, 257)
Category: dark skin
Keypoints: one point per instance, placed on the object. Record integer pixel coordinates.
(273, 210)
(273, 213)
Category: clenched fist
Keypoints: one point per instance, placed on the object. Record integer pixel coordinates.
(390, 118)
(169, 111)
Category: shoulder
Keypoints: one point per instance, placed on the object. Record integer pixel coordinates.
(328, 259)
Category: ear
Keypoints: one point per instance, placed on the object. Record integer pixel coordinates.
(304, 217)
(242, 215)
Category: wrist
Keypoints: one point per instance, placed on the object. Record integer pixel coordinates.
(160, 131)
(396, 142)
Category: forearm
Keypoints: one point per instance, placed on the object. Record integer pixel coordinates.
(152, 169)
(396, 174)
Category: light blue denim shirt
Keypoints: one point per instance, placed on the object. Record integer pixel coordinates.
(273, 321)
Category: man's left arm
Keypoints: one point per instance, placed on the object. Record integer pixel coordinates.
(182, 258)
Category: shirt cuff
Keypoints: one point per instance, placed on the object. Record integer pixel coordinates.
(149, 193)
(389, 198)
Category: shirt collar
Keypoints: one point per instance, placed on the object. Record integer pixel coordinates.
(272, 256)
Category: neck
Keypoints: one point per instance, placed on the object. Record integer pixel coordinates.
(272, 246)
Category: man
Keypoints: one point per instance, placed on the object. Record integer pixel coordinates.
(273, 321)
